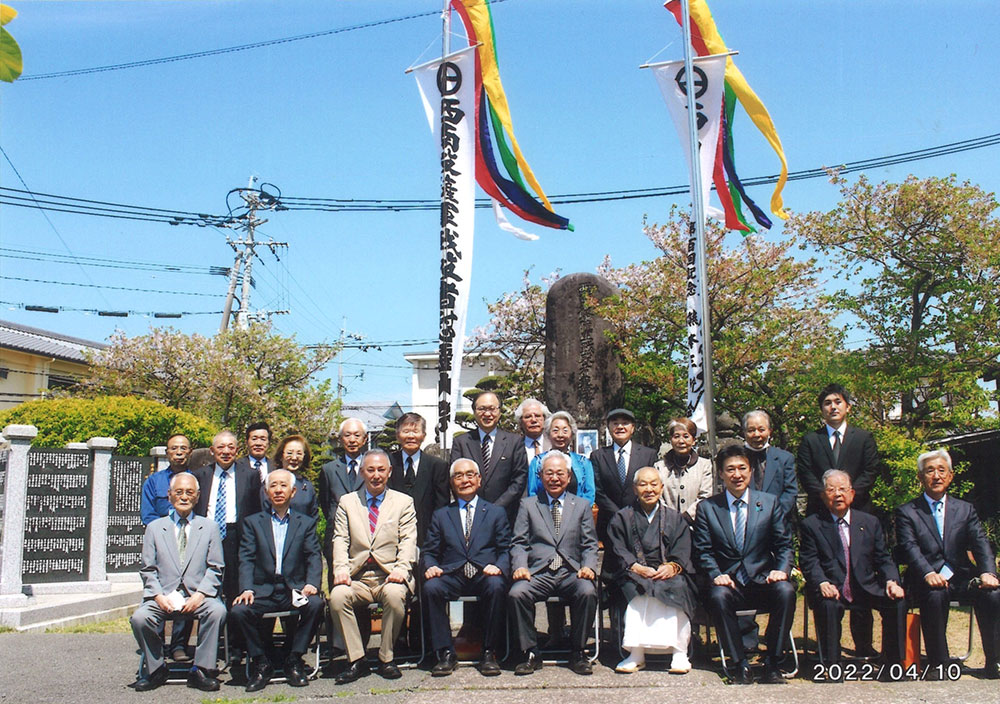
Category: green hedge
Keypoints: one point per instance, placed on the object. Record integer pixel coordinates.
(136, 424)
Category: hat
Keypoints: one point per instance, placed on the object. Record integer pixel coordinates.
(620, 412)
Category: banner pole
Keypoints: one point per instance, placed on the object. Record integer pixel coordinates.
(699, 228)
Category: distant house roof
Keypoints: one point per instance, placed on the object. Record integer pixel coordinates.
(24, 338)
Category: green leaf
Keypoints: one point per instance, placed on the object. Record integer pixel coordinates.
(10, 57)
(7, 13)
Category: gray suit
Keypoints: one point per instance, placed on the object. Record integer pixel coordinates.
(535, 546)
(163, 572)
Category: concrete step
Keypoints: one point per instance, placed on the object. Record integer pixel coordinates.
(45, 611)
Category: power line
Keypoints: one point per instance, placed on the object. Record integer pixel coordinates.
(106, 313)
(228, 49)
(113, 288)
(159, 267)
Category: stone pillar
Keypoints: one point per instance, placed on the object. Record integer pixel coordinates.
(77, 446)
(101, 447)
(582, 373)
(160, 453)
(14, 500)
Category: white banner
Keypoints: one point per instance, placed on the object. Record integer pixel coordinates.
(447, 89)
(709, 80)
(708, 84)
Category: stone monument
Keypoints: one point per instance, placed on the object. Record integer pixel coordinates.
(582, 372)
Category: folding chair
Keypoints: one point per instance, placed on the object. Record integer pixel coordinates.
(475, 600)
(752, 613)
(177, 672)
(417, 656)
(566, 653)
(279, 643)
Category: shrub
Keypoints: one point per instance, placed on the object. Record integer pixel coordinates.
(136, 424)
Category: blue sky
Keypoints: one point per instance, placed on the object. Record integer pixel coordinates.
(335, 116)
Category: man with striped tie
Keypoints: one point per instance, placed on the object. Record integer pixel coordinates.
(374, 551)
(744, 548)
(467, 552)
(228, 495)
(499, 454)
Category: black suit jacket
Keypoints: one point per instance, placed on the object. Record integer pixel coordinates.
(821, 554)
(504, 480)
(612, 496)
(920, 546)
(333, 485)
(247, 463)
(858, 457)
(767, 546)
(430, 491)
(247, 491)
(305, 500)
(301, 562)
(489, 541)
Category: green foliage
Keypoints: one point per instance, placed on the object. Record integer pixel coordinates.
(922, 260)
(233, 379)
(136, 424)
(11, 62)
(897, 482)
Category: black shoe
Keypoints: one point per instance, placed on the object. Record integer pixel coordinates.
(357, 670)
(741, 675)
(389, 671)
(199, 679)
(489, 666)
(446, 664)
(531, 663)
(772, 676)
(579, 663)
(152, 681)
(262, 673)
(867, 652)
(831, 679)
(295, 672)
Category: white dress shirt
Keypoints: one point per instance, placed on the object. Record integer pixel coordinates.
(230, 493)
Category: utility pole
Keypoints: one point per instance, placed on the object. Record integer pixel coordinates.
(254, 199)
(340, 359)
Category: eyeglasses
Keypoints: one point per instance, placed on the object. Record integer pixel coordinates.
(487, 409)
(471, 474)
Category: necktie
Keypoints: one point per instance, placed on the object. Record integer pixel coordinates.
(622, 469)
(557, 523)
(535, 447)
(256, 466)
(845, 540)
(220, 504)
(372, 514)
(740, 534)
(939, 517)
(836, 447)
(486, 453)
(352, 473)
(182, 538)
(409, 477)
(469, 569)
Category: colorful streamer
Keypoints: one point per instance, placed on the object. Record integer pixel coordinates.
(706, 40)
(492, 111)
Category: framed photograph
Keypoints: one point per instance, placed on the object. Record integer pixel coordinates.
(586, 442)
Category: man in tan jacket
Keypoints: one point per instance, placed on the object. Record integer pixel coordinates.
(374, 550)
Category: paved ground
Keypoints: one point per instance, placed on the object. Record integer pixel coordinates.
(83, 668)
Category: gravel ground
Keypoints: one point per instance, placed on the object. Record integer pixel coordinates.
(98, 668)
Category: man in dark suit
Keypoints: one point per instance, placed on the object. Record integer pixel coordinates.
(181, 571)
(935, 534)
(554, 551)
(773, 469)
(228, 495)
(743, 546)
(341, 476)
(845, 561)
(615, 468)
(499, 454)
(280, 568)
(467, 552)
(258, 437)
(837, 445)
(422, 477)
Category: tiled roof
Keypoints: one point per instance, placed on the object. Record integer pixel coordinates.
(43, 342)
